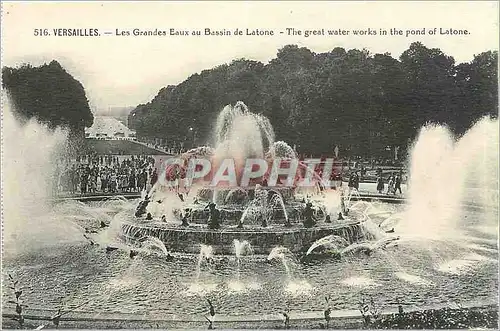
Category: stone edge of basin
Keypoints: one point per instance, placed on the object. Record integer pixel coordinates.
(81, 316)
(98, 197)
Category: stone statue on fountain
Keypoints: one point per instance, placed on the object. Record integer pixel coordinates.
(263, 220)
(185, 217)
(214, 218)
(266, 209)
(309, 219)
(141, 208)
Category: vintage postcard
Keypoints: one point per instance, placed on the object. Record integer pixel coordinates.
(250, 165)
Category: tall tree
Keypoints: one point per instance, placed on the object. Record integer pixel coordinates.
(49, 94)
(359, 101)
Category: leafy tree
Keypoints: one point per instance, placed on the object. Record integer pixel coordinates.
(360, 101)
(49, 94)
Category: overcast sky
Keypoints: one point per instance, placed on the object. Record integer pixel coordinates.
(125, 71)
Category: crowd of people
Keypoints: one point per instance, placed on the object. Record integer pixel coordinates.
(105, 174)
(393, 184)
(90, 174)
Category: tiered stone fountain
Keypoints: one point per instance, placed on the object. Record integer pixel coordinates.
(264, 216)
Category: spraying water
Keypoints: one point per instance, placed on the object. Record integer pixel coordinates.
(197, 287)
(29, 176)
(294, 287)
(242, 134)
(281, 149)
(264, 206)
(235, 196)
(368, 247)
(332, 202)
(206, 252)
(445, 174)
(153, 244)
(241, 248)
(331, 242)
(348, 195)
(277, 201)
(280, 253)
(249, 212)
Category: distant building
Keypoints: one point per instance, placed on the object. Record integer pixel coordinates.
(109, 128)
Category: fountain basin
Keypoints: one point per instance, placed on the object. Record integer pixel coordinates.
(232, 214)
(188, 239)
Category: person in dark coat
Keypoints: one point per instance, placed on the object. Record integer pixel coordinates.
(154, 177)
(380, 184)
(131, 181)
(397, 184)
(356, 181)
(350, 183)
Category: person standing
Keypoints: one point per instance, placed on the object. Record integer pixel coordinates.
(154, 177)
(397, 185)
(356, 181)
(131, 181)
(390, 186)
(350, 183)
(124, 182)
(144, 179)
(98, 181)
(83, 182)
(113, 182)
(73, 177)
(380, 184)
(138, 180)
(104, 180)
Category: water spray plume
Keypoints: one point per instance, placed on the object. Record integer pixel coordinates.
(29, 178)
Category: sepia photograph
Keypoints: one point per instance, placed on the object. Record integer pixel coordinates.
(250, 165)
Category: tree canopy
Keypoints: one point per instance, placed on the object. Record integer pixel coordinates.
(49, 94)
(360, 101)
